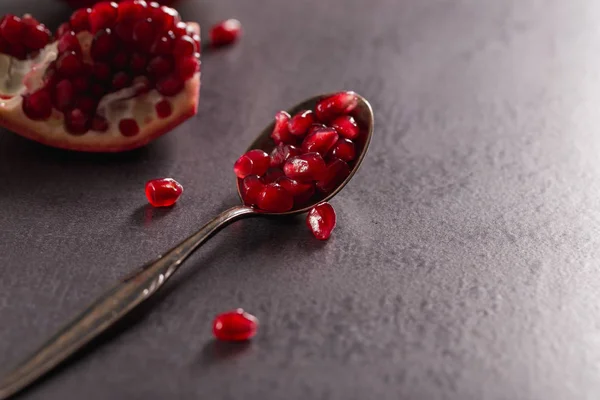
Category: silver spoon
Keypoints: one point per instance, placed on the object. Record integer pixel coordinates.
(137, 287)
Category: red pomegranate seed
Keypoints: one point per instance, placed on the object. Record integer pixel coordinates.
(169, 86)
(129, 10)
(235, 326)
(163, 192)
(225, 32)
(103, 45)
(80, 20)
(121, 80)
(38, 105)
(274, 198)
(103, 15)
(77, 122)
(11, 29)
(184, 46)
(98, 90)
(346, 126)
(295, 188)
(144, 34)
(163, 45)
(86, 104)
(142, 85)
(30, 21)
(64, 94)
(186, 67)
(272, 175)
(280, 133)
(320, 141)
(128, 127)
(99, 124)
(63, 29)
(250, 188)
(164, 18)
(163, 108)
(138, 62)
(335, 173)
(254, 162)
(124, 31)
(159, 66)
(338, 104)
(69, 64)
(179, 29)
(18, 51)
(36, 37)
(321, 220)
(50, 76)
(344, 150)
(298, 125)
(69, 42)
(282, 152)
(101, 71)
(121, 60)
(305, 167)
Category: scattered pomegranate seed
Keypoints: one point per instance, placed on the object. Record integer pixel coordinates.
(128, 127)
(163, 109)
(254, 162)
(163, 192)
(38, 105)
(344, 150)
(281, 133)
(235, 325)
(225, 32)
(338, 104)
(346, 126)
(282, 152)
(320, 141)
(334, 174)
(305, 167)
(69, 42)
(272, 175)
(298, 125)
(321, 220)
(251, 187)
(103, 15)
(80, 20)
(274, 198)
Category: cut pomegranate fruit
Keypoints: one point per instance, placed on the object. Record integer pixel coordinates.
(254, 162)
(344, 150)
(320, 141)
(321, 220)
(116, 77)
(274, 198)
(299, 123)
(338, 104)
(163, 192)
(236, 325)
(225, 32)
(306, 167)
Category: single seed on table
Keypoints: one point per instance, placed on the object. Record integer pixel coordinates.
(321, 220)
(163, 192)
(225, 32)
(235, 326)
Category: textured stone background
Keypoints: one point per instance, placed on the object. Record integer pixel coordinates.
(465, 263)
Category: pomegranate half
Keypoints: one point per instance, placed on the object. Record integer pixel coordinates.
(115, 77)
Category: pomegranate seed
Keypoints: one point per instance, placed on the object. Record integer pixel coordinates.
(344, 150)
(274, 198)
(282, 152)
(30, 21)
(295, 188)
(11, 29)
(321, 220)
(101, 71)
(305, 167)
(103, 45)
(163, 192)
(251, 187)
(186, 67)
(128, 127)
(338, 104)
(254, 162)
(235, 325)
(98, 90)
(142, 85)
(144, 34)
(4, 46)
(184, 46)
(315, 127)
(272, 175)
(169, 86)
(335, 173)
(99, 124)
(138, 62)
(63, 95)
(80, 20)
(280, 133)
(179, 29)
(120, 80)
(163, 45)
(159, 66)
(225, 32)
(86, 104)
(298, 125)
(69, 42)
(38, 105)
(124, 31)
(163, 108)
(69, 64)
(346, 126)
(129, 10)
(77, 122)
(36, 37)
(63, 29)
(103, 15)
(164, 18)
(320, 141)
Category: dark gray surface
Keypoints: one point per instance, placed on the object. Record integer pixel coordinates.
(465, 262)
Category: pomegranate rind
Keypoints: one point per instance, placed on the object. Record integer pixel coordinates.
(52, 133)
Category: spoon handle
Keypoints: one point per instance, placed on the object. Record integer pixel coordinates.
(113, 305)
